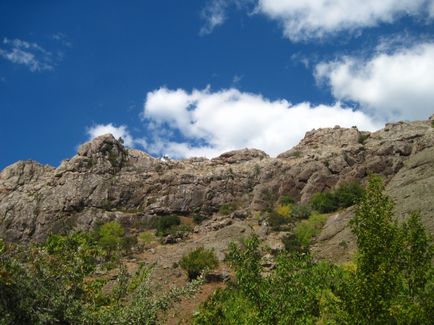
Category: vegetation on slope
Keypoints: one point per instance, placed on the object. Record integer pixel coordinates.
(79, 279)
(391, 281)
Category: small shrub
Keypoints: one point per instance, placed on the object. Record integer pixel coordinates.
(363, 137)
(286, 200)
(276, 221)
(146, 238)
(301, 211)
(165, 223)
(198, 218)
(324, 202)
(111, 235)
(293, 244)
(283, 210)
(432, 123)
(226, 209)
(348, 194)
(308, 229)
(179, 231)
(197, 261)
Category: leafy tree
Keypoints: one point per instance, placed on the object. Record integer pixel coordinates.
(111, 235)
(394, 277)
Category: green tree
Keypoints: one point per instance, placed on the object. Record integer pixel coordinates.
(378, 236)
(394, 278)
(111, 235)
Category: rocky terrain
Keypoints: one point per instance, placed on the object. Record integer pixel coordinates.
(106, 181)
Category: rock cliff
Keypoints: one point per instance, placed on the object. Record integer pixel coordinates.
(105, 180)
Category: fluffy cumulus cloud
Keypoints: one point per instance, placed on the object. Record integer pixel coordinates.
(117, 131)
(395, 85)
(310, 19)
(31, 55)
(206, 123)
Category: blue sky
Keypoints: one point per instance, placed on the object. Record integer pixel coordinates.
(197, 78)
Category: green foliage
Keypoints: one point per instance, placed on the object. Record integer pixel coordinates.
(276, 221)
(324, 202)
(199, 218)
(143, 306)
(394, 278)
(307, 229)
(111, 235)
(197, 261)
(343, 196)
(348, 194)
(363, 137)
(286, 200)
(301, 211)
(57, 283)
(227, 208)
(146, 238)
(293, 245)
(165, 224)
(432, 123)
(45, 284)
(289, 295)
(283, 210)
(392, 281)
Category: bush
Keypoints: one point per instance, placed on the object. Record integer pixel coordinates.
(307, 229)
(57, 283)
(348, 194)
(293, 245)
(286, 200)
(276, 221)
(198, 218)
(197, 261)
(301, 211)
(226, 209)
(343, 196)
(111, 235)
(165, 223)
(283, 210)
(363, 137)
(146, 238)
(324, 202)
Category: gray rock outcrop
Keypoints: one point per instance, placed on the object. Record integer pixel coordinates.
(107, 181)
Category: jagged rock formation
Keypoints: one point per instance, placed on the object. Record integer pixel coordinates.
(105, 180)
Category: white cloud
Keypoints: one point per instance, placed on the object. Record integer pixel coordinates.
(205, 123)
(29, 54)
(117, 131)
(313, 19)
(396, 85)
(214, 15)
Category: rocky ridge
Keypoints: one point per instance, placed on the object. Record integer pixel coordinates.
(106, 181)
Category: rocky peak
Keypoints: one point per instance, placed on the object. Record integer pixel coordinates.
(23, 172)
(106, 181)
(237, 156)
(102, 154)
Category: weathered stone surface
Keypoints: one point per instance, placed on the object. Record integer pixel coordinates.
(411, 188)
(106, 181)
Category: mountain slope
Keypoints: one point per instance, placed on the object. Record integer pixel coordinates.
(106, 181)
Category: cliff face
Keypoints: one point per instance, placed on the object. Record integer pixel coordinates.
(107, 181)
